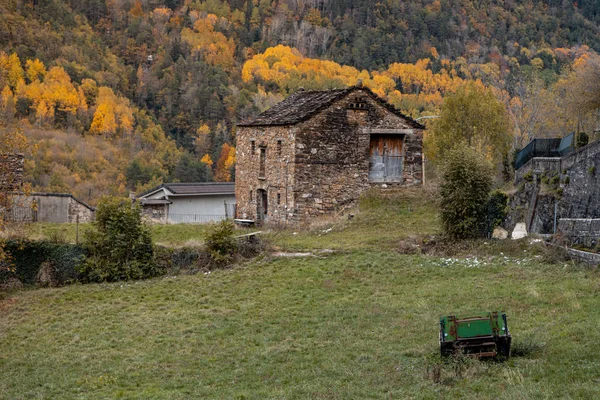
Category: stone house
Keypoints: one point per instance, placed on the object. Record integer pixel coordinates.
(198, 202)
(314, 153)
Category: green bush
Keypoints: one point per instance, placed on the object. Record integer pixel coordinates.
(220, 242)
(181, 259)
(497, 210)
(582, 139)
(26, 258)
(118, 243)
(465, 188)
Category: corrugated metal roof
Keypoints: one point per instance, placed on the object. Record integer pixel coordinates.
(302, 105)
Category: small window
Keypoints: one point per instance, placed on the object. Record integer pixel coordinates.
(251, 195)
(279, 148)
(359, 105)
(263, 157)
(252, 147)
(278, 198)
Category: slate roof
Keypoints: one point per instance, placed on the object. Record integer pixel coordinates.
(195, 188)
(302, 105)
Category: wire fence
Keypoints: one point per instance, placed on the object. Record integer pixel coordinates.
(196, 218)
(19, 214)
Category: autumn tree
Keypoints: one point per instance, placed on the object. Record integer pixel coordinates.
(464, 192)
(472, 117)
(225, 164)
(113, 114)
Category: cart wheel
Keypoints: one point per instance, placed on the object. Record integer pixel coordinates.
(503, 346)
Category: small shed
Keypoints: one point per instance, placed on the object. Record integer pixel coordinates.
(196, 202)
(49, 207)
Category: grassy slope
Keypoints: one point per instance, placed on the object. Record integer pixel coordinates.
(361, 323)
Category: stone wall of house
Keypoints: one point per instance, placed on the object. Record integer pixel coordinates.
(332, 155)
(323, 166)
(278, 180)
(155, 213)
(11, 171)
(77, 209)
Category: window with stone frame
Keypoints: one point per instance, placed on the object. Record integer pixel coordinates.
(252, 146)
(279, 147)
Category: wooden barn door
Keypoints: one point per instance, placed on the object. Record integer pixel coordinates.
(386, 158)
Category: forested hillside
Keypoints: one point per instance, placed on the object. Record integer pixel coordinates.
(118, 95)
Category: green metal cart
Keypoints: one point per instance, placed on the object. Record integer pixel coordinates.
(483, 334)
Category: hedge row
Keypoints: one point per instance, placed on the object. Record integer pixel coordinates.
(28, 257)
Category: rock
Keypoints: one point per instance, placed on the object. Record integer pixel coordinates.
(46, 275)
(520, 231)
(500, 233)
(11, 283)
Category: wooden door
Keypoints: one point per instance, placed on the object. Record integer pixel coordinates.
(386, 158)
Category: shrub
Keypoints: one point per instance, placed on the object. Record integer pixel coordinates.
(181, 259)
(497, 209)
(466, 184)
(582, 139)
(118, 243)
(526, 346)
(220, 242)
(27, 257)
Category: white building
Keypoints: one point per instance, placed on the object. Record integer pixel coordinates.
(189, 202)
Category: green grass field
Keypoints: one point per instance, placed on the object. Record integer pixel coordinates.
(360, 323)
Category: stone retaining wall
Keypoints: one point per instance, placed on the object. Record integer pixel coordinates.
(583, 232)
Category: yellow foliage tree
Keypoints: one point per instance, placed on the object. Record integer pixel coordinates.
(202, 142)
(207, 160)
(11, 71)
(113, 114)
(36, 70)
(225, 163)
(216, 48)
